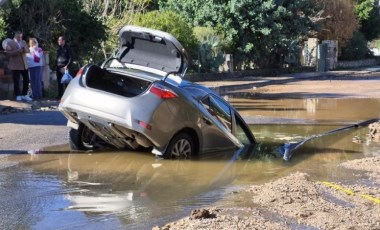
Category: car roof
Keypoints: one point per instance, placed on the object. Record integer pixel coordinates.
(198, 91)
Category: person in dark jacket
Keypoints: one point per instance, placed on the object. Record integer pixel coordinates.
(63, 60)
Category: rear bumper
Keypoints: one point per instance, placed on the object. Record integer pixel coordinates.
(113, 133)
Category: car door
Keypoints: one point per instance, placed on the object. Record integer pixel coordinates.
(241, 130)
(232, 129)
(217, 128)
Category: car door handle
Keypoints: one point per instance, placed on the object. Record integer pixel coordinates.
(207, 120)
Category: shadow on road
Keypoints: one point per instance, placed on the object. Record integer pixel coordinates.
(35, 118)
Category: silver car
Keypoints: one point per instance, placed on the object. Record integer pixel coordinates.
(138, 99)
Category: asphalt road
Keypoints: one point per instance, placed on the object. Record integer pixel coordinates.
(20, 132)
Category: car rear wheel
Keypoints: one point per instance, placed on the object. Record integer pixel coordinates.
(82, 138)
(181, 146)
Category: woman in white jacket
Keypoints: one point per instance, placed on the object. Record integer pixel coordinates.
(35, 68)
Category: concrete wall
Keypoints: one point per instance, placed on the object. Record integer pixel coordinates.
(6, 81)
(332, 54)
(358, 63)
(309, 52)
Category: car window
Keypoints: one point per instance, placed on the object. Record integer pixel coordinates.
(241, 132)
(219, 110)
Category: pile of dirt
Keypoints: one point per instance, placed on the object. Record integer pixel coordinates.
(9, 106)
(370, 165)
(321, 204)
(226, 218)
(297, 201)
(10, 109)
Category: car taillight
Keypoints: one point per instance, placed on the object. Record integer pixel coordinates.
(163, 93)
(80, 72)
(144, 125)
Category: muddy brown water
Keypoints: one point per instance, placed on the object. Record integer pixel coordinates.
(133, 190)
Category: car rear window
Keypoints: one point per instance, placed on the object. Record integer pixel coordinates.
(116, 83)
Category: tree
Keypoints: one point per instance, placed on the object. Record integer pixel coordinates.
(363, 8)
(340, 21)
(257, 30)
(169, 22)
(210, 55)
(37, 23)
(84, 31)
(48, 19)
(357, 48)
(3, 27)
(115, 14)
(368, 12)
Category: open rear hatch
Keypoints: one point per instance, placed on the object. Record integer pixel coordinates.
(148, 48)
(114, 82)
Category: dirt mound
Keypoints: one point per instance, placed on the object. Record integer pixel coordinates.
(226, 218)
(9, 106)
(321, 204)
(295, 201)
(371, 165)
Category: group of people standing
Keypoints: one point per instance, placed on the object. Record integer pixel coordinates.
(26, 62)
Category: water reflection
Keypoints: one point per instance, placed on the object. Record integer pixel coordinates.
(311, 105)
(305, 111)
(121, 182)
(132, 187)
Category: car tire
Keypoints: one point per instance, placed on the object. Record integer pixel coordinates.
(81, 138)
(181, 146)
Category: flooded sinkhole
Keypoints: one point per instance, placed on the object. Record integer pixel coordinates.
(305, 111)
(134, 190)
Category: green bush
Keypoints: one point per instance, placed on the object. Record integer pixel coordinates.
(356, 49)
(170, 22)
(210, 55)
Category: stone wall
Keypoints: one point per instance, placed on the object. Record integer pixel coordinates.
(6, 81)
(358, 63)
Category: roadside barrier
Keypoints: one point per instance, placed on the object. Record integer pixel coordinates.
(287, 149)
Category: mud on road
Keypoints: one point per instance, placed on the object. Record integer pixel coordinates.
(299, 202)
